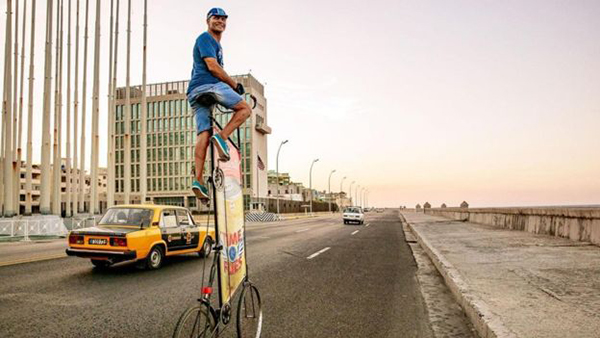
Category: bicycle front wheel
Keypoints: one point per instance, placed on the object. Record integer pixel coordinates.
(195, 322)
(249, 313)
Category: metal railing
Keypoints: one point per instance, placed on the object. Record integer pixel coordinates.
(26, 229)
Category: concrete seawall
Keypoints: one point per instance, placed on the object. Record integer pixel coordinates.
(577, 224)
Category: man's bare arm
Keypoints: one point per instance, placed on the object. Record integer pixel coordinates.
(217, 71)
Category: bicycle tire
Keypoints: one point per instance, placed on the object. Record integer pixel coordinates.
(193, 319)
(249, 313)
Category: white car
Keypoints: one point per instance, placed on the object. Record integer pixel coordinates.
(353, 214)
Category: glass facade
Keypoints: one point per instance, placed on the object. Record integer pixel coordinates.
(170, 138)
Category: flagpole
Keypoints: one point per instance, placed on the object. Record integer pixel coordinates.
(7, 115)
(45, 195)
(110, 201)
(83, 113)
(75, 166)
(143, 146)
(127, 136)
(20, 128)
(94, 205)
(257, 182)
(28, 176)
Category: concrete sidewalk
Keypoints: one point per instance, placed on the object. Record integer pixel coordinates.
(514, 283)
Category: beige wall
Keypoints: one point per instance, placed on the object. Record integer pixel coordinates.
(578, 224)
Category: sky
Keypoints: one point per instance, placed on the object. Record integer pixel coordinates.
(492, 102)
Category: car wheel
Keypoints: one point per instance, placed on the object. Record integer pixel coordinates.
(155, 258)
(206, 247)
(100, 264)
(345, 222)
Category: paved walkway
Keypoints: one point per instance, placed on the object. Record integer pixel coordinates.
(514, 283)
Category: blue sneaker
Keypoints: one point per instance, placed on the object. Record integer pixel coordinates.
(199, 190)
(222, 147)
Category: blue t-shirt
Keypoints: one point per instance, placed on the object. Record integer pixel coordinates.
(205, 47)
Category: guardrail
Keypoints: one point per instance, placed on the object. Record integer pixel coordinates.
(28, 228)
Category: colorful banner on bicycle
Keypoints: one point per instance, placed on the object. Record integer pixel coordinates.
(230, 217)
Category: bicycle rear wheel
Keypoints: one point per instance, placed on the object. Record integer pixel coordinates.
(249, 313)
(195, 322)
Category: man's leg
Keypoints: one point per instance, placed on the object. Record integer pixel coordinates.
(202, 141)
(242, 112)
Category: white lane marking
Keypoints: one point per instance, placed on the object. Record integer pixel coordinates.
(354, 233)
(262, 237)
(318, 253)
(367, 224)
(303, 230)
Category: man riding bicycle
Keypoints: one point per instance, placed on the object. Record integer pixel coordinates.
(209, 77)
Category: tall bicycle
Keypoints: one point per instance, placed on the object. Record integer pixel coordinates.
(229, 266)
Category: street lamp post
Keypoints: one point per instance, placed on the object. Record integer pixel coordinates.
(310, 184)
(356, 195)
(329, 184)
(362, 197)
(350, 192)
(341, 183)
(277, 168)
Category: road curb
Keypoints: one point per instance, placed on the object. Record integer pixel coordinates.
(487, 324)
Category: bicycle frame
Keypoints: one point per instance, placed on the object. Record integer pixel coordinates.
(215, 269)
(222, 315)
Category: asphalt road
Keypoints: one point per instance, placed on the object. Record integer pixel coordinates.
(364, 285)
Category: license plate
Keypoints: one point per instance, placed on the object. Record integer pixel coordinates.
(97, 241)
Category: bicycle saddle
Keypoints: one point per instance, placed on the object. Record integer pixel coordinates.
(207, 99)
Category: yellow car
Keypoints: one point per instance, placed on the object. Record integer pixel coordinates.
(143, 233)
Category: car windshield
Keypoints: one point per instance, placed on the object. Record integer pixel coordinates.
(352, 210)
(127, 216)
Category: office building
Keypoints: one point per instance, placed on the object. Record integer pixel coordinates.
(171, 138)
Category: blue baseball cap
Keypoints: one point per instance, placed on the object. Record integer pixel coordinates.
(216, 12)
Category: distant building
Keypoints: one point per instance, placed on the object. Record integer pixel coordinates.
(464, 204)
(284, 178)
(36, 176)
(171, 138)
(291, 191)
